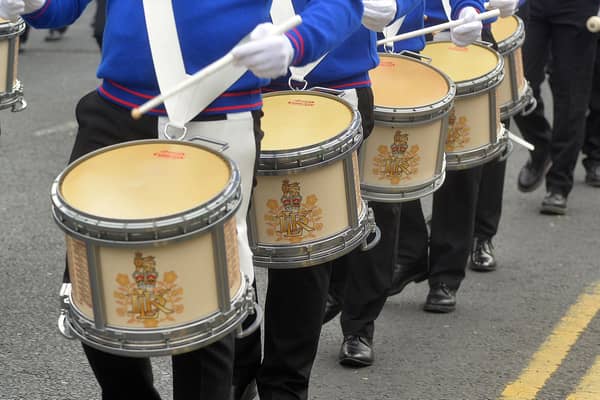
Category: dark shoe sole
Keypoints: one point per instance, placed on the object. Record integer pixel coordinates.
(552, 210)
(415, 278)
(480, 268)
(592, 182)
(438, 308)
(354, 363)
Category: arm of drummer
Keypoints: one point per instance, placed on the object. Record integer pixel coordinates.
(53, 13)
(325, 25)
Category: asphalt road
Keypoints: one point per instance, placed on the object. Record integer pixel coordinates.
(503, 318)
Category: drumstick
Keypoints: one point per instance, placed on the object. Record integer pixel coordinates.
(210, 69)
(520, 141)
(437, 28)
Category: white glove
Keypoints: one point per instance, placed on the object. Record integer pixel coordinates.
(465, 34)
(266, 55)
(11, 9)
(33, 5)
(506, 7)
(378, 14)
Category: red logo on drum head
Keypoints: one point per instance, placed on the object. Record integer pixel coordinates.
(387, 64)
(305, 103)
(177, 155)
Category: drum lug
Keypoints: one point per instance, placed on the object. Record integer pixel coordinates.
(371, 228)
(63, 326)
(242, 333)
(530, 107)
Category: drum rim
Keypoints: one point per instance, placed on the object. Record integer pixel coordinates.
(457, 161)
(481, 83)
(514, 41)
(113, 231)
(274, 162)
(428, 112)
(11, 29)
(8, 99)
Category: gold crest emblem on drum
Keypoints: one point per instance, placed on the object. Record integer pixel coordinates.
(145, 298)
(459, 132)
(397, 162)
(290, 219)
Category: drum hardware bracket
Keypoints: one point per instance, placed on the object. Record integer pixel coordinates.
(63, 325)
(366, 246)
(333, 92)
(530, 107)
(223, 145)
(422, 57)
(181, 129)
(303, 82)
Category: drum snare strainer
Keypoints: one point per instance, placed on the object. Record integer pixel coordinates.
(11, 90)
(151, 248)
(475, 134)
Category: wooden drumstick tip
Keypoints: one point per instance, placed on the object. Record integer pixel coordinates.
(593, 24)
(136, 114)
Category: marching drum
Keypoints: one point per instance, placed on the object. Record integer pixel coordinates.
(475, 134)
(11, 90)
(307, 208)
(151, 247)
(514, 93)
(403, 158)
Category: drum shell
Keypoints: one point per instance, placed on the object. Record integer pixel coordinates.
(424, 127)
(146, 288)
(514, 92)
(326, 217)
(475, 134)
(11, 91)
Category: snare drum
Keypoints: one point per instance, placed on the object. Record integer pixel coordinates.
(403, 158)
(514, 93)
(151, 248)
(475, 134)
(307, 208)
(11, 90)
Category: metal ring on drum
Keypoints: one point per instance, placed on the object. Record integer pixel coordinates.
(151, 248)
(514, 93)
(475, 134)
(11, 89)
(306, 208)
(403, 158)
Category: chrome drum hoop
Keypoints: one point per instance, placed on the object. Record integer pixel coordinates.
(278, 162)
(143, 232)
(515, 41)
(479, 156)
(419, 114)
(164, 341)
(514, 108)
(317, 252)
(376, 193)
(14, 98)
(12, 29)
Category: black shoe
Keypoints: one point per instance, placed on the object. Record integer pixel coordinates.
(403, 275)
(53, 36)
(592, 175)
(554, 204)
(248, 392)
(482, 255)
(440, 299)
(356, 351)
(532, 175)
(333, 306)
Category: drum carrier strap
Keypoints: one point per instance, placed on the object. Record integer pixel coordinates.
(170, 68)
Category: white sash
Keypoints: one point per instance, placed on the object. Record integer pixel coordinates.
(447, 9)
(170, 68)
(282, 10)
(392, 30)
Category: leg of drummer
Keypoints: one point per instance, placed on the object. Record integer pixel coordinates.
(122, 378)
(204, 373)
(369, 279)
(412, 262)
(294, 307)
(452, 226)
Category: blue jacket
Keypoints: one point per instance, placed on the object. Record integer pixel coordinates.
(348, 65)
(206, 33)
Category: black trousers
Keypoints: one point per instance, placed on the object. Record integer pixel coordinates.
(202, 374)
(558, 26)
(591, 143)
